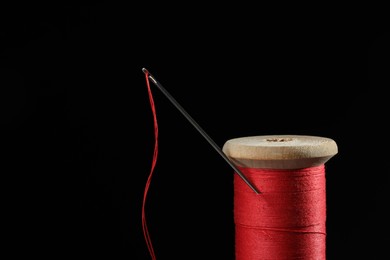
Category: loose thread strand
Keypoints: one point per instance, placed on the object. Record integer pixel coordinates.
(147, 185)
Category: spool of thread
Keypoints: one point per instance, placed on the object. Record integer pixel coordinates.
(287, 220)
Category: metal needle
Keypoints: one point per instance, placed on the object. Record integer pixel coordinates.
(201, 131)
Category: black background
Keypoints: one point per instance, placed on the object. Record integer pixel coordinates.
(77, 129)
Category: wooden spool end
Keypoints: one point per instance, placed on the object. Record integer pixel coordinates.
(280, 151)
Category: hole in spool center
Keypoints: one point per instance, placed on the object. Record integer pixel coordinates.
(279, 139)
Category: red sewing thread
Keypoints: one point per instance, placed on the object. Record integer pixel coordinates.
(155, 153)
(287, 220)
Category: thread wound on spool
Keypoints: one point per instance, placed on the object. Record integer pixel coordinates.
(287, 221)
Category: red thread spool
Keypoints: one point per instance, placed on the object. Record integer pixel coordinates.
(288, 219)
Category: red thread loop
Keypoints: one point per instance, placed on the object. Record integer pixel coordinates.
(287, 221)
(155, 153)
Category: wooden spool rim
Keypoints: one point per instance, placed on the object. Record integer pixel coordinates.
(280, 151)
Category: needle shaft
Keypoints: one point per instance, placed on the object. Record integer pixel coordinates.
(200, 130)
